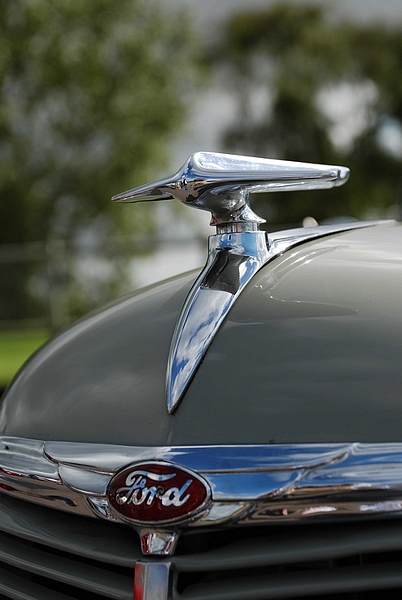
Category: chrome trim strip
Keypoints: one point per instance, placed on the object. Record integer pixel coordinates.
(249, 483)
(206, 459)
(233, 260)
(84, 480)
(25, 459)
(151, 581)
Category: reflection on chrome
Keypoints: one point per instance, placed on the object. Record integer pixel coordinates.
(221, 183)
(208, 303)
(318, 510)
(158, 542)
(220, 513)
(101, 507)
(250, 484)
(379, 507)
(151, 580)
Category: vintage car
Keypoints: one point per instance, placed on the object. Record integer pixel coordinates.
(234, 434)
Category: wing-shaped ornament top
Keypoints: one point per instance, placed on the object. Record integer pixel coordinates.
(221, 184)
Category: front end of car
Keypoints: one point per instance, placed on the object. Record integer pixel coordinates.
(232, 434)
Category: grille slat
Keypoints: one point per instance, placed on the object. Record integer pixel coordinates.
(51, 555)
(294, 561)
(287, 545)
(90, 538)
(32, 559)
(298, 585)
(18, 588)
(46, 554)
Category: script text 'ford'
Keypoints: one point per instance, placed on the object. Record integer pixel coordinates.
(157, 492)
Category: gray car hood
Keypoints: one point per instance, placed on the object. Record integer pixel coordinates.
(311, 352)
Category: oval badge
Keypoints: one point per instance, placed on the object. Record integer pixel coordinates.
(157, 492)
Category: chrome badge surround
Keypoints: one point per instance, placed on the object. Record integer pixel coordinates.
(221, 184)
(157, 493)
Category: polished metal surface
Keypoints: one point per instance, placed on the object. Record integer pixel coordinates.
(160, 543)
(151, 581)
(250, 484)
(221, 183)
(233, 260)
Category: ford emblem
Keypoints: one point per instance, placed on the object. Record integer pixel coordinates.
(157, 492)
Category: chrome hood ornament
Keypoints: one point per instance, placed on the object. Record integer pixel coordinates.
(221, 184)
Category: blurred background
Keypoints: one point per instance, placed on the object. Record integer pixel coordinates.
(97, 97)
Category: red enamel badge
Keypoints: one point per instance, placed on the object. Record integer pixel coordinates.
(156, 492)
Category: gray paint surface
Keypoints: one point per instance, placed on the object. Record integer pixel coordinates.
(311, 352)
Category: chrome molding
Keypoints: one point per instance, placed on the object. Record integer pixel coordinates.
(151, 581)
(233, 260)
(250, 484)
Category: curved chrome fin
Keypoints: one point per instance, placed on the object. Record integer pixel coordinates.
(233, 260)
(220, 184)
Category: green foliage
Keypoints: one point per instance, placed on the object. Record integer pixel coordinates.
(91, 92)
(325, 92)
(15, 349)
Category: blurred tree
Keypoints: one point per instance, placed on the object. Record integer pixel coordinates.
(312, 89)
(90, 93)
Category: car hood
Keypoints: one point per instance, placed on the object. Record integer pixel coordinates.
(310, 352)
